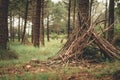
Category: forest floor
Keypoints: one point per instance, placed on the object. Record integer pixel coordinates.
(28, 66)
(38, 71)
(34, 70)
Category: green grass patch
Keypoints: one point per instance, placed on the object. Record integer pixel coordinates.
(26, 53)
(110, 69)
(33, 76)
(8, 55)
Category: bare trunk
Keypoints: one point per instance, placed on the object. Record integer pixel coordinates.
(42, 24)
(32, 31)
(48, 37)
(111, 21)
(83, 13)
(74, 22)
(105, 23)
(11, 30)
(3, 23)
(19, 28)
(37, 24)
(25, 23)
(33, 20)
(68, 27)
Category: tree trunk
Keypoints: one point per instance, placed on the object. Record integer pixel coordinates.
(32, 31)
(90, 9)
(36, 40)
(11, 30)
(3, 23)
(22, 24)
(19, 27)
(25, 23)
(74, 22)
(83, 14)
(105, 23)
(111, 21)
(42, 24)
(48, 37)
(33, 20)
(68, 29)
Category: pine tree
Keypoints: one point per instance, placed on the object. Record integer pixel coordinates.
(3, 23)
(111, 21)
(36, 37)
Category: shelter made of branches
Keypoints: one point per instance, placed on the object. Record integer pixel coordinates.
(81, 38)
(84, 35)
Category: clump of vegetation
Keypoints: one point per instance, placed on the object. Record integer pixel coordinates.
(117, 40)
(108, 69)
(91, 53)
(116, 75)
(8, 55)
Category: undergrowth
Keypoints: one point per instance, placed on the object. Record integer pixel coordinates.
(25, 53)
(8, 55)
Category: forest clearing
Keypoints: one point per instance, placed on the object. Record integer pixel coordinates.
(60, 40)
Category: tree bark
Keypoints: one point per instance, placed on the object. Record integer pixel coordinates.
(11, 30)
(25, 23)
(48, 33)
(19, 27)
(83, 13)
(36, 40)
(111, 21)
(105, 23)
(33, 20)
(68, 27)
(3, 23)
(42, 24)
(74, 15)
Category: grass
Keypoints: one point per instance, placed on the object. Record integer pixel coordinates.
(31, 76)
(8, 55)
(26, 53)
(57, 74)
(109, 69)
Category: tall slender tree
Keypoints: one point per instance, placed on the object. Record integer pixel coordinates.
(19, 27)
(36, 40)
(74, 14)
(25, 23)
(33, 18)
(3, 23)
(11, 29)
(48, 34)
(111, 21)
(68, 27)
(42, 23)
(106, 17)
(83, 12)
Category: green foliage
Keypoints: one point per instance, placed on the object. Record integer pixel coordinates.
(16, 5)
(59, 14)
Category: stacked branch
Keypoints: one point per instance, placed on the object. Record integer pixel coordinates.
(83, 36)
(77, 42)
